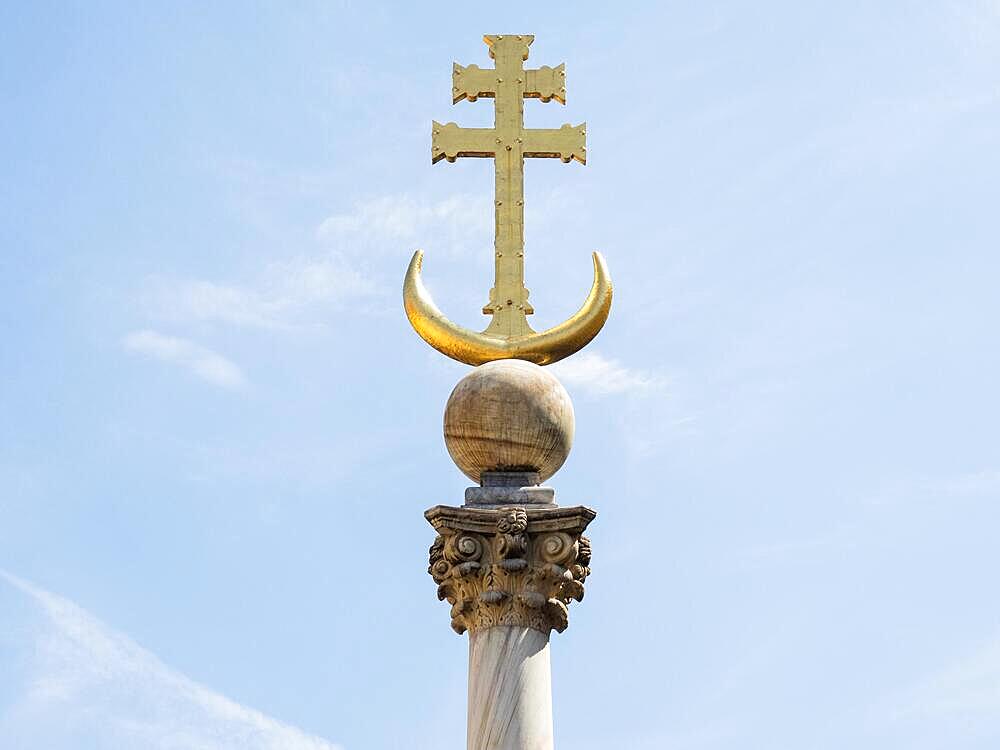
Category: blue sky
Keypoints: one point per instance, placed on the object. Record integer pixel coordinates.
(218, 433)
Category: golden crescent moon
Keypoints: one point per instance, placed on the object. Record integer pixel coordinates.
(473, 348)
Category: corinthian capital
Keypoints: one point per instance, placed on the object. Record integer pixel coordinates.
(510, 565)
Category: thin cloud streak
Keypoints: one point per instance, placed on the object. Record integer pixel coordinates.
(967, 691)
(208, 365)
(600, 376)
(406, 218)
(284, 296)
(90, 685)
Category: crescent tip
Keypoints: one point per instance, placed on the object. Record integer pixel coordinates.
(575, 333)
(433, 327)
(602, 276)
(416, 262)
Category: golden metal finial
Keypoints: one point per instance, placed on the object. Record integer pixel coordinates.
(508, 143)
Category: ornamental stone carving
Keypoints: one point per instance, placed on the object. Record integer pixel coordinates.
(510, 565)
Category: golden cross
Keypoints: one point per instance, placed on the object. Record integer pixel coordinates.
(508, 143)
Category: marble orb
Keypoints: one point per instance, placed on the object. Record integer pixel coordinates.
(509, 415)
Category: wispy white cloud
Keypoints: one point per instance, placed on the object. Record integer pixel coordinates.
(453, 224)
(973, 484)
(282, 297)
(200, 300)
(601, 376)
(966, 691)
(88, 685)
(970, 487)
(206, 364)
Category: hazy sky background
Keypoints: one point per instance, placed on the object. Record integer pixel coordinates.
(218, 433)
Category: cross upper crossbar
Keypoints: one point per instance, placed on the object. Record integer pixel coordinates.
(543, 83)
(509, 143)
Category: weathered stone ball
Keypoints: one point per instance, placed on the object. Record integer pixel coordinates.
(509, 415)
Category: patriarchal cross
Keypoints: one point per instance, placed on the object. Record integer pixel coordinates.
(508, 143)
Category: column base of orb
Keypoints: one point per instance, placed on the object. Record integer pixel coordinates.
(500, 488)
(510, 689)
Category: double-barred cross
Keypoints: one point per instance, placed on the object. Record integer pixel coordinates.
(508, 143)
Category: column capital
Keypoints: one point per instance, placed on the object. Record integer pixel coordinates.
(510, 565)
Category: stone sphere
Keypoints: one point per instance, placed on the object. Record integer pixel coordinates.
(509, 415)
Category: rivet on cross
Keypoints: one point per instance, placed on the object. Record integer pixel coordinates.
(509, 143)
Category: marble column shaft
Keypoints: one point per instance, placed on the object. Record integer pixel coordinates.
(510, 689)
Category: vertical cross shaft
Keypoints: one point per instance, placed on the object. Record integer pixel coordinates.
(509, 142)
(509, 297)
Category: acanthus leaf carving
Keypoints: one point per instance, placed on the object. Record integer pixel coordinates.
(510, 566)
